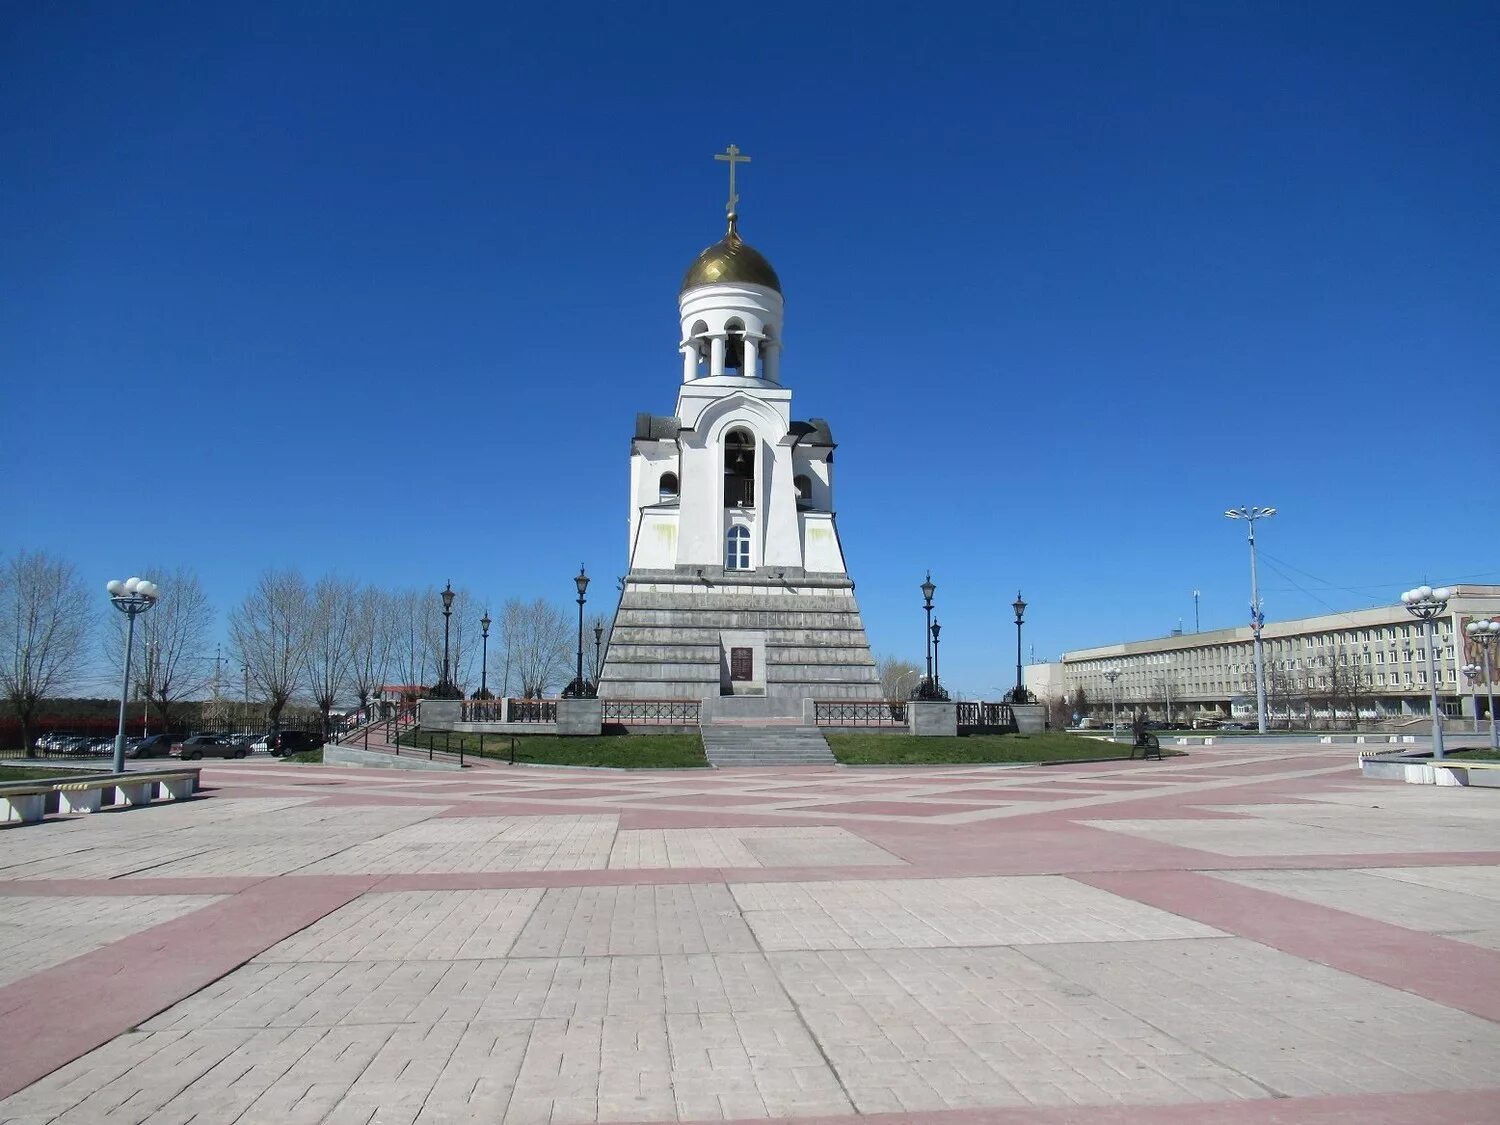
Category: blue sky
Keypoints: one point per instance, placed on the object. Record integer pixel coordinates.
(323, 285)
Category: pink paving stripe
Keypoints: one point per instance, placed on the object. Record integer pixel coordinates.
(1458, 975)
(60, 1013)
(1442, 1108)
(894, 808)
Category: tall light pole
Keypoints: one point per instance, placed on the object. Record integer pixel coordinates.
(1484, 633)
(936, 683)
(1427, 604)
(132, 597)
(1257, 612)
(598, 655)
(1472, 672)
(1019, 606)
(445, 687)
(928, 589)
(1196, 595)
(484, 659)
(577, 688)
(1112, 674)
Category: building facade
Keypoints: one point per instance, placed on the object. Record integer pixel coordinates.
(1369, 664)
(738, 593)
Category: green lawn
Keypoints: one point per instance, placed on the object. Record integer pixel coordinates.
(32, 773)
(306, 757)
(621, 751)
(1476, 755)
(908, 750)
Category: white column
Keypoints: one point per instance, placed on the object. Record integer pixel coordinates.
(689, 362)
(748, 370)
(716, 357)
(771, 362)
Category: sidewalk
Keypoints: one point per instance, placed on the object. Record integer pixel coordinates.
(1245, 934)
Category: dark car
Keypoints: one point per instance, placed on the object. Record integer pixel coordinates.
(211, 746)
(152, 746)
(292, 742)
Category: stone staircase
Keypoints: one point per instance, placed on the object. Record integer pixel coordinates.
(765, 744)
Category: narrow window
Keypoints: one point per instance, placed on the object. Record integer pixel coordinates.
(739, 470)
(737, 549)
(803, 485)
(667, 489)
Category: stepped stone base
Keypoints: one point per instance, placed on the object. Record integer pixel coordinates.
(771, 745)
(674, 633)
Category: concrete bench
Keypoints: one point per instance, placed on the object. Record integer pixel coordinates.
(31, 802)
(1456, 764)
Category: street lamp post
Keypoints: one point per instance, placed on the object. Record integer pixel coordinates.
(1472, 672)
(484, 658)
(598, 655)
(1019, 694)
(577, 688)
(132, 597)
(1112, 674)
(1257, 613)
(445, 688)
(1483, 633)
(928, 589)
(936, 683)
(1427, 605)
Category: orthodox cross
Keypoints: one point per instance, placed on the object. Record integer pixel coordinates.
(732, 155)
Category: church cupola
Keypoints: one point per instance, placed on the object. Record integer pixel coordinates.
(730, 305)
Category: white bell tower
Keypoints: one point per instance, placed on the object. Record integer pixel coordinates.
(737, 584)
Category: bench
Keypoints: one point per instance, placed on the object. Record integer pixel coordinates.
(1149, 746)
(29, 802)
(1469, 767)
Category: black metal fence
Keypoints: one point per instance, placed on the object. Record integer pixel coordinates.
(651, 712)
(533, 710)
(978, 717)
(858, 713)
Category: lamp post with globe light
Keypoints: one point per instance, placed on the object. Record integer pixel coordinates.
(484, 659)
(1112, 674)
(1427, 604)
(924, 690)
(445, 686)
(1257, 612)
(132, 597)
(1483, 633)
(1472, 672)
(598, 655)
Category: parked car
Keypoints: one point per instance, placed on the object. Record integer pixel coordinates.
(292, 742)
(261, 745)
(210, 746)
(153, 746)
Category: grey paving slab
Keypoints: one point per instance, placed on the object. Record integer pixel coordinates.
(506, 843)
(1400, 902)
(37, 932)
(934, 913)
(603, 921)
(937, 1029)
(414, 926)
(809, 846)
(1295, 1027)
(1255, 837)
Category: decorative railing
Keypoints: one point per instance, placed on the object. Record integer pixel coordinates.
(483, 711)
(532, 710)
(651, 712)
(973, 715)
(858, 713)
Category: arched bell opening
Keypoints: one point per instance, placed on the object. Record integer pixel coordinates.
(667, 488)
(734, 347)
(698, 339)
(739, 469)
(803, 484)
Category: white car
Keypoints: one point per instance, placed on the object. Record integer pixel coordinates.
(261, 745)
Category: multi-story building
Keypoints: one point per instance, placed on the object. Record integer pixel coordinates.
(1369, 663)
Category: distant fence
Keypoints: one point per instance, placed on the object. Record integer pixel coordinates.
(976, 717)
(651, 712)
(858, 713)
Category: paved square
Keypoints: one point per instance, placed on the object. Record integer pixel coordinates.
(373, 948)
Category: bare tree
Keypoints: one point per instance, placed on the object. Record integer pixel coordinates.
(538, 649)
(373, 637)
(44, 625)
(463, 637)
(174, 666)
(897, 677)
(329, 651)
(408, 613)
(269, 635)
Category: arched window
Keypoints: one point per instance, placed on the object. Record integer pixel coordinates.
(737, 548)
(803, 485)
(734, 346)
(699, 336)
(739, 469)
(667, 487)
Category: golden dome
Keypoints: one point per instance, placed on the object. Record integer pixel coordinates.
(728, 260)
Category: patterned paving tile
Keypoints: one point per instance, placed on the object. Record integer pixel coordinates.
(37, 932)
